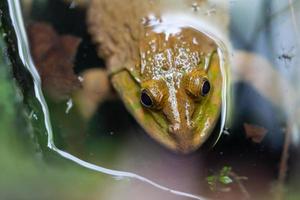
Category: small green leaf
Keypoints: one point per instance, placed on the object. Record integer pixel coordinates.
(211, 180)
(225, 180)
(225, 171)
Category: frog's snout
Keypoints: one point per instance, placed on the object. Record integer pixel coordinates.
(179, 110)
(176, 130)
(183, 136)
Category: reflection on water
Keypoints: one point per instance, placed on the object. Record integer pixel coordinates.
(266, 94)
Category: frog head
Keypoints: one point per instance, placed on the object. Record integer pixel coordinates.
(177, 98)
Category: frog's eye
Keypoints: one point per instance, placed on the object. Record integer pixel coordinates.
(146, 99)
(205, 87)
(152, 94)
(197, 85)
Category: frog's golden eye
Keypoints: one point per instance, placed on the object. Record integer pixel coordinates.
(197, 84)
(152, 94)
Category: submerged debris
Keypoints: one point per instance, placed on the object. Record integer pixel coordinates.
(222, 178)
(255, 132)
(53, 55)
(225, 180)
(285, 56)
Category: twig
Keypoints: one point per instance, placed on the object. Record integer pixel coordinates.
(284, 156)
(283, 166)
(238, 179)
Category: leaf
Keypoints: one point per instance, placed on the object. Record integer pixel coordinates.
(211, 179)
(225, 171)
(53, 56)
(255, 132)
(212, 182)
(225, 180)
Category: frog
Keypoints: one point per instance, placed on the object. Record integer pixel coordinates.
(184, 123)
(169, 78)
(144, 54)
(182, 100)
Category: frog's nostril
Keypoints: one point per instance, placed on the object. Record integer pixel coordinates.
(174, 128)
(177, 130)
(192, 125)
(183, 137)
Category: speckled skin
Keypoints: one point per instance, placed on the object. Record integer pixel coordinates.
(140, 58)
(176, 63)
(118, 26)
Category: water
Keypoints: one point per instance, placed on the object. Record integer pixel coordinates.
(134, 151)
(24, 53)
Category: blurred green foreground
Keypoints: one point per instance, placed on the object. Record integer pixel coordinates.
(24, 172)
